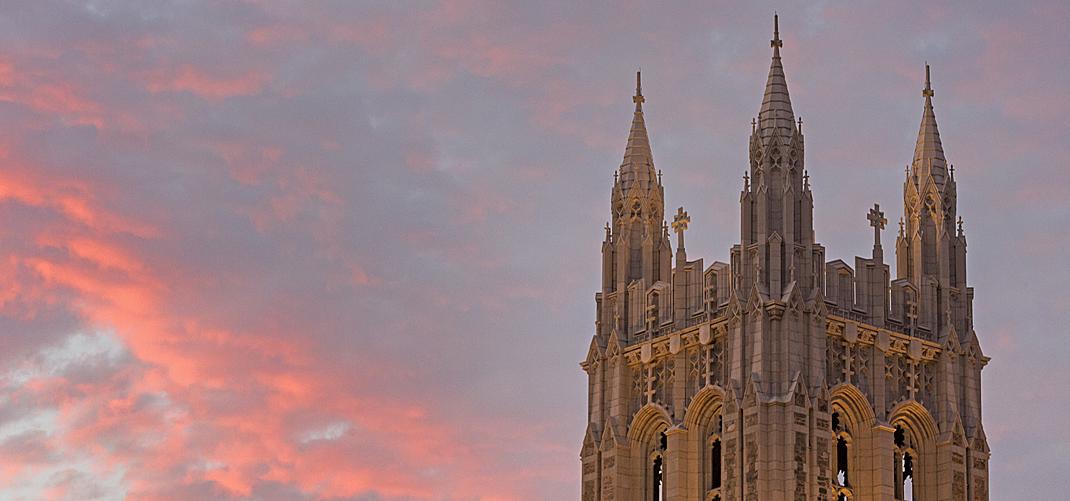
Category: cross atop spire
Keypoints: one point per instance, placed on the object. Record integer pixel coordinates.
(928, 90)
(638, 98)
(776, 42)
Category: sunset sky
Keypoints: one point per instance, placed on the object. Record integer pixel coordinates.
(349, 250)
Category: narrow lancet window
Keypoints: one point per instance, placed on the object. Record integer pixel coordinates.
(841, 462)
(715, 464)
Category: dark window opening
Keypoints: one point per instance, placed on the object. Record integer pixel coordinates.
(664, 441)
(908, 477)
(900, 436)
(841, 462)
(835, 420)
(659, 482)
(715, 464)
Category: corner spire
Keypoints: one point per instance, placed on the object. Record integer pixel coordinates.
(776, 115)
(928, 151)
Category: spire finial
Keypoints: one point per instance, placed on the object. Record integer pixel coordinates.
(776, 42)
(928, 90)
(638, 98)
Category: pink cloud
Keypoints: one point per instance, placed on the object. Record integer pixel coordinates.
(188, 78)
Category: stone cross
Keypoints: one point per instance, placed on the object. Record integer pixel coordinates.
(650, 384)
(913, 376)
(928, 90)
(679, 225)
(848, 371)
(911, 313)
(776, 42)
(877, 221)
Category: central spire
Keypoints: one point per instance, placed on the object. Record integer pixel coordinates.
(776, 116)
(929, 152)
(637, 169)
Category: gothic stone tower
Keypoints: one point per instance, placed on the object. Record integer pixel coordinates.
(780, 376)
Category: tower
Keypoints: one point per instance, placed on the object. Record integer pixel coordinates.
(779, 375)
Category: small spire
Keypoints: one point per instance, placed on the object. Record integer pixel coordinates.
(608, 230)
(638, 98)
(901, 230)
(746, 181)
(806, 179)
(960, 226)
(800, 125)
(659, 176)
(753, 125)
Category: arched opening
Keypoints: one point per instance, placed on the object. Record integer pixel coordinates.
(705, 461)
(841, 462)
(658, 474)
(903, 462)
(657, 470)
(843, 453)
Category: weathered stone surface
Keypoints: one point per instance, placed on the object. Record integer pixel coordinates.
(806, 378)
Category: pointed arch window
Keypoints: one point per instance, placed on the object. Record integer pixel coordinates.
(714, 459)
(843, 451)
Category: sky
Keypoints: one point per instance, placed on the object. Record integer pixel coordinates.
(258, 250)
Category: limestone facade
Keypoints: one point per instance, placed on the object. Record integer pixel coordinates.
(780, 375)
